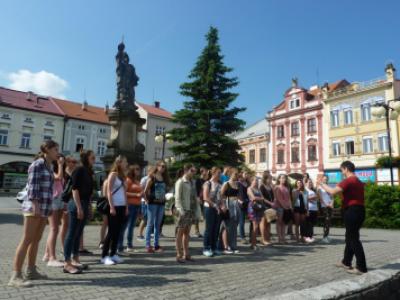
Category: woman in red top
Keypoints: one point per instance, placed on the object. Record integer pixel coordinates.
(283, 206)
(354, 214)
(134, 195)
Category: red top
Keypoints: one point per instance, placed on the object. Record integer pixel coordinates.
(353, 191)
(133, 187)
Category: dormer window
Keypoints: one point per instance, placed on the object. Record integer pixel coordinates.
(294, 103)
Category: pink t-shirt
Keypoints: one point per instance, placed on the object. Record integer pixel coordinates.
(58, 188)
(282, 197)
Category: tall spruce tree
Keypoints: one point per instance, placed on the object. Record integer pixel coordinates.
(208, 118)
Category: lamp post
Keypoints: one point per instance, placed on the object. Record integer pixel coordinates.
(162, 138)
(390, 113)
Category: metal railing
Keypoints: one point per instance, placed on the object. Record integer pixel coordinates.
(356, 86)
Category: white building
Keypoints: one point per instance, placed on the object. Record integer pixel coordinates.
(26, 120)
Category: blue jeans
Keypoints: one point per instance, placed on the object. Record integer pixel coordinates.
(75, 228)
(242, 218)
(130, 224)
(211, 232)
(155, 214)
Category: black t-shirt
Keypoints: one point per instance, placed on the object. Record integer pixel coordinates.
(267, 194)
(82, 181)
(199, 186)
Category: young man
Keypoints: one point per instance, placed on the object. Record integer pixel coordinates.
(326, 208)
(354, 214)
(186, 205)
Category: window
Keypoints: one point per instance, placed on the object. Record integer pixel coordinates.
(25, 140)
(28, 120)
(3, 137)
(367, 145)
(5, 116)
(312, 152)
(49, 123)
(295, 155)
(336, 149)
(160, 130)
(311, 125)
(101, 148)
(81, 127)
(295, 129)
(281, 156)
(383, 143)
(263, 155)
(102, 130)
(47, 137)
(280, 131)
(80, 144)
(349, 147)
(295, 103)
(252, 156)
(335, 118)
(157, 153)
(366, 112)
(348, 116)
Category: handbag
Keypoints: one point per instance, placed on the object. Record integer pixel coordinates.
(225, 215)
(102, 204)
(258, 206)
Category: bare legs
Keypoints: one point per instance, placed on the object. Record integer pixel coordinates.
(54, 223)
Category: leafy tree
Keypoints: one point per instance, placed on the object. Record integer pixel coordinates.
(207, 118)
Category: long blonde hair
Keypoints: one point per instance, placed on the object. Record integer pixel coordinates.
(117, 168)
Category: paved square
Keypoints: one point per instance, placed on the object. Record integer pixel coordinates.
(270, 271)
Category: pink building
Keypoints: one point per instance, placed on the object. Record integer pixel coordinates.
(296, 131)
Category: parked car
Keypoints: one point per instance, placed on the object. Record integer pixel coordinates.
(22, 195)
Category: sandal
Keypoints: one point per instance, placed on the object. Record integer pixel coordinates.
(81, 266)
(76, 271)
(180, 260)
(189, 258)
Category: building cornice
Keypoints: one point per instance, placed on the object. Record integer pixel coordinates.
(296, 112)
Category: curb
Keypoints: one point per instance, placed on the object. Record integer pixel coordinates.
(380, 283)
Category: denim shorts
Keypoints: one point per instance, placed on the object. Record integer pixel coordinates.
(57, 204)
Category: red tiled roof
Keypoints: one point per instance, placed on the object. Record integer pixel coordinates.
(155, 111)
(74, 110)
(28, 101)
(332, 86)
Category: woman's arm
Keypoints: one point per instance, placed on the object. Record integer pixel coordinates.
(206, 194)
(147, 189)
(111, 180)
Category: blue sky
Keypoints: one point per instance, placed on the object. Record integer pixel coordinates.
(266, 42)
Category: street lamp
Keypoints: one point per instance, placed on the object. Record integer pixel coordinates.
(162, 138)
(391, 113)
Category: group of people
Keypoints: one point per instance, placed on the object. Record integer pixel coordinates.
(60, 194)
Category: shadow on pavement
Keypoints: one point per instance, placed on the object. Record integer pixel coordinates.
(11, 218)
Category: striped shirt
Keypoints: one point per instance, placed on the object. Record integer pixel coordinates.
(40, 187)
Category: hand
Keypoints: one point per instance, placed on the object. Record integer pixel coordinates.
(112, 211)
(61, 160)
(80, 213)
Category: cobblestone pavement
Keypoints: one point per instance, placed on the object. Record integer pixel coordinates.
(270, 271)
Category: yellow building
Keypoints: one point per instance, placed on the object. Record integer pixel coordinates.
(350, 130)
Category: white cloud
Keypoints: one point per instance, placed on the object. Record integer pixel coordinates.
(43, 83)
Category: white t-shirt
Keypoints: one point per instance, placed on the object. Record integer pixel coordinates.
(118, 197)
(143, 182)
(326, 197)
(312, 204)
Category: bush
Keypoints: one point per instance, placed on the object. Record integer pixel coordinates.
(382, 203)
(384, 162)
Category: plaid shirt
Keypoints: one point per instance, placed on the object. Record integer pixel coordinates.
(40, 187)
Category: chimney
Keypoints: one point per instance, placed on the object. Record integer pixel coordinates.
(106, 108)
(390, 71)
(157, 104)
(30, 96)
(84, 105)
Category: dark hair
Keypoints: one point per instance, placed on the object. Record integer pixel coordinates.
(165, 175)
(348, 165)
(45, 147)
(85, 154)
(55, 164)
(179, 174)
(302, 185)
(132, 172)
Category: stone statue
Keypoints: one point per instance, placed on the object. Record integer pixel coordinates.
(127, 79)
(295, 82)
(124, 119)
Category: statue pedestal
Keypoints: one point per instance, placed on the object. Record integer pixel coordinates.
(125, 123)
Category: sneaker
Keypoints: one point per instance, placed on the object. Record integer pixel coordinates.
(107, 261)
(342, 265)
(129, 249)
(228, 251)
(149, 249)
(158, 249)
(244, 241)
(236, 251)
(55, 263)
(18, 281)
(207, 253)
(116, 259)
(325, 240)
(355, 271)
(34, 274)
(312, 240)
(45, 259)
(307, 240)
(140, 238)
